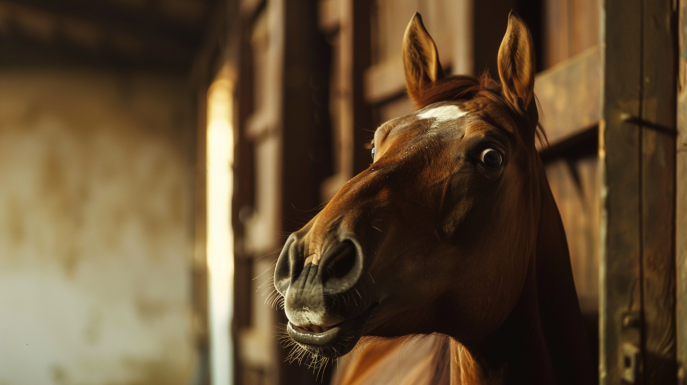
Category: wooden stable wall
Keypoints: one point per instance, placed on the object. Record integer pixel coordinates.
(568, 89)
(637, 161)
(316, 79)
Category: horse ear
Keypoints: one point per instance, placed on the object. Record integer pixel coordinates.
(516, 63)
(420, 58)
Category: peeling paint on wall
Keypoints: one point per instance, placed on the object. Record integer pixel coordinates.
(95, 229)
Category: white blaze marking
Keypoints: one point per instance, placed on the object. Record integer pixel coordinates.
(442, 114)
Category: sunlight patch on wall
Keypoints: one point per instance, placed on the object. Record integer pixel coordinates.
(220, 238)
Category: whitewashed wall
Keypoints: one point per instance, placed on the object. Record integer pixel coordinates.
(95, 229)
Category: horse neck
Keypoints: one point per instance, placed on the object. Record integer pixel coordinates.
(543, 340)
(516, 353)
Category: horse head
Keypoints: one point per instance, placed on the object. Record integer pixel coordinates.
(439, 233)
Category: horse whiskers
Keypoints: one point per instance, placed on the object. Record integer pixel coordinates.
(313, 361)
(299, 354)
(275, 300)
(269, 270)
(275, 252)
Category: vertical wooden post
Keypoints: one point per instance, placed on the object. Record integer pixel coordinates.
(658, 190)
(200, 267)
(636, 154)
(619, 164)
(681, 201)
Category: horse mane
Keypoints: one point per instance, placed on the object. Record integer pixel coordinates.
(468, 87)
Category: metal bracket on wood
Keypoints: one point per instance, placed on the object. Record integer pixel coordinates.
(627, 118)
(631, 353)
(630, 362)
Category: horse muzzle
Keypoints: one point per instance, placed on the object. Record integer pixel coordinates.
(314, 290)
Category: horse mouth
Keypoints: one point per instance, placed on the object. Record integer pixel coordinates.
(331, 341)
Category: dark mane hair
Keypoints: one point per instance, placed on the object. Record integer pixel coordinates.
(467, 87)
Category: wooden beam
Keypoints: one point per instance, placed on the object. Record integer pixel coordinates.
(386, 81)
(658, 190)
(145, 25)
(569, 95)
(330, 15)
(619, 163)
(582, 143)
(681, 201)
(18, 48)
(637, 312)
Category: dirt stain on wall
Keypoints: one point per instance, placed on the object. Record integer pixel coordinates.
(95, 228)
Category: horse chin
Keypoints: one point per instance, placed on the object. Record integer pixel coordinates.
(334, 341)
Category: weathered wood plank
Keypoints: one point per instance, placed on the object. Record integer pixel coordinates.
(572, 26)
(569, 95)
(386, 80)
(330, 14)
(585, 25)
(557, 31)
(619, 164)
(574, 185)
(450, 22)
(658, 193)
(681, 201)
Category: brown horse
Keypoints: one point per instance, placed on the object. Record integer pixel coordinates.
(451, 231)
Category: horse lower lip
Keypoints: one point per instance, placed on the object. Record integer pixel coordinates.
(350, 328)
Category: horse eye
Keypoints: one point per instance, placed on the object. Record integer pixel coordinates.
(491, 158)
(373, 152)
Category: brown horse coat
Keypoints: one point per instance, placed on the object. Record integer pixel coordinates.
(452, 232)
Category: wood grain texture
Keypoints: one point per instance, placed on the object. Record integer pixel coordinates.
(681, 201)
(569, 95)
(574, 184)
(619, 161)
(572, 26)
(445, 20)
(658, 193)
(638, 191)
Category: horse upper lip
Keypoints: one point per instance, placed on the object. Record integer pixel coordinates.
(314, 328)
(308, 332)
(312, 338)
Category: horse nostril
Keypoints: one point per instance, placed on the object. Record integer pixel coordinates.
(342, 261)
(287, 267)
(340, 267)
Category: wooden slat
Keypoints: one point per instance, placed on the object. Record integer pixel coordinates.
(460, 12)
(449, 22)
(341, 103)
(658, 193)
(584, 26)
(638, 201)
(681, 208)
(574, 184)
(569, 96)
(557, 32)
(145, 25)
(386, 80)
(330, 14)
(572, 26)
(619, 164)
(200, 270)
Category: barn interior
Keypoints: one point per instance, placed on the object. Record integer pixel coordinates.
(155, 155)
